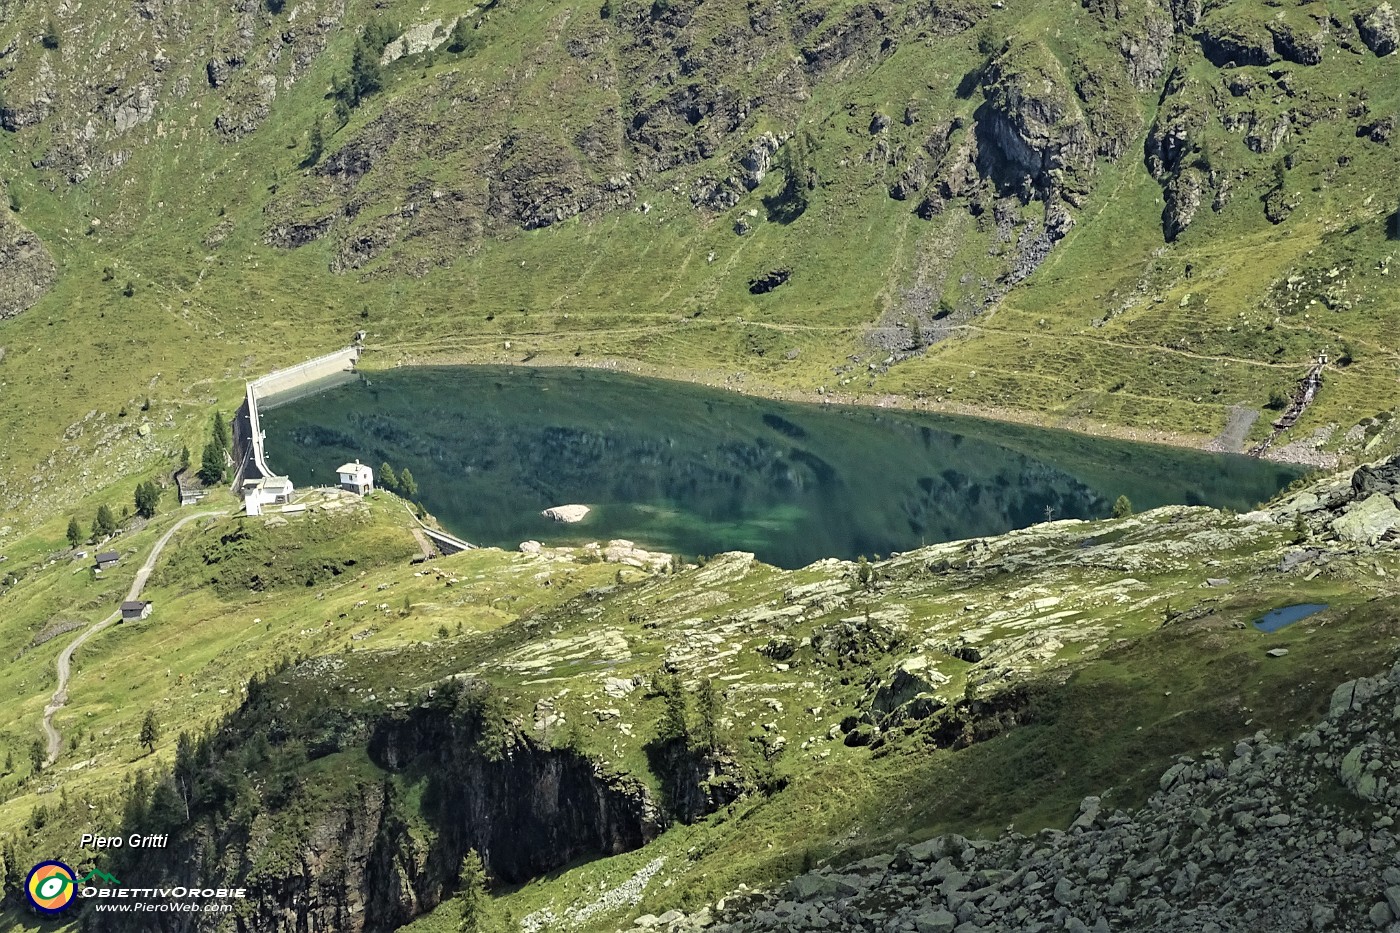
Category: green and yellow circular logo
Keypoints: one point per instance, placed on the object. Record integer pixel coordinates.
(51, 887)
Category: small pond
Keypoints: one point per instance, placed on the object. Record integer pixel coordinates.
(692, 470)
(1278, 618)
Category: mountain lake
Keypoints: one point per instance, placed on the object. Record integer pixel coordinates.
(692, 470)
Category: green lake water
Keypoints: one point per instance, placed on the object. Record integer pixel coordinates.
(692, 470)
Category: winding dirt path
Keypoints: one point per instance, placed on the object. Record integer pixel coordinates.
(65, 659)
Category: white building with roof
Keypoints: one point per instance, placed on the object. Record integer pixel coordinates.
(357, 478)
(270, 490)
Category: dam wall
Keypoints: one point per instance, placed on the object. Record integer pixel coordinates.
(288, 385)
(279, 388)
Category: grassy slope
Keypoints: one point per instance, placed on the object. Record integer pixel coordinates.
(641, 287)
(1100, 590)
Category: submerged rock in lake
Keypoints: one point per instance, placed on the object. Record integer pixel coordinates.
(567, 513)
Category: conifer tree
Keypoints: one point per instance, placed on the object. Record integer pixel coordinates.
(211, 470)
(223, 437)
(105, 524)
(407, 484)
(147, 499)
(707, 714)
(315, 146)
(388, 479)
(473, 890)
(150, 731)
(75, 533)
(461, 41)
(673, 724)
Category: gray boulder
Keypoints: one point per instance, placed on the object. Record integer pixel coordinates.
(935, 921)
(1368, 519)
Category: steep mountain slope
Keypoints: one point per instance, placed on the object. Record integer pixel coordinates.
(1231, 841)
(1121, 216)
(618, 734)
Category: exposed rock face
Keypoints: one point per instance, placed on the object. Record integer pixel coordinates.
(1252, 839)
(1228, 38)
(909, 694)
(1378, 29)
(27, 270)
(696, 784)
(756, 161)
(1146, 52)
(1032, 125)
(1183, 196)
(527, 809)
(1174, 154)
(1368, 519)
(355, 861)
(1297, 44)
(417, 38)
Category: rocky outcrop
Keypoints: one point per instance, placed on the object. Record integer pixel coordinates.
(696, 782)
(528, 809)
(357, 855)
(27, 271)
(293, 234)
(1173, 155)
(911, 693)
(1183, 196)
(1146, 52)
(756, 161)
(1231, 38)
(1296, 835)
(1368, 519)
(1031, 128)
(418, 38)
(1378, 29)
(1300, 43)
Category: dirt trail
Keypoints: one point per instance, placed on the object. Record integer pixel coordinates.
(65, 659)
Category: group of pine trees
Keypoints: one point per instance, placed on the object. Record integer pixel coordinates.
(104, 525)
(402, 482)
(213, 467)
(366, 75)
(700, 733)
(473, 890)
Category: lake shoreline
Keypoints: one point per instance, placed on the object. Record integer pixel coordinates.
(1292, 454)
(692, 469)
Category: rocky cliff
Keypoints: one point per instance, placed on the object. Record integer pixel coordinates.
(27, 270)
(368, 846)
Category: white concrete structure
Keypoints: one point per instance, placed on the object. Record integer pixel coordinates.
(356, 477)
(273, 490)
(254, 479)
